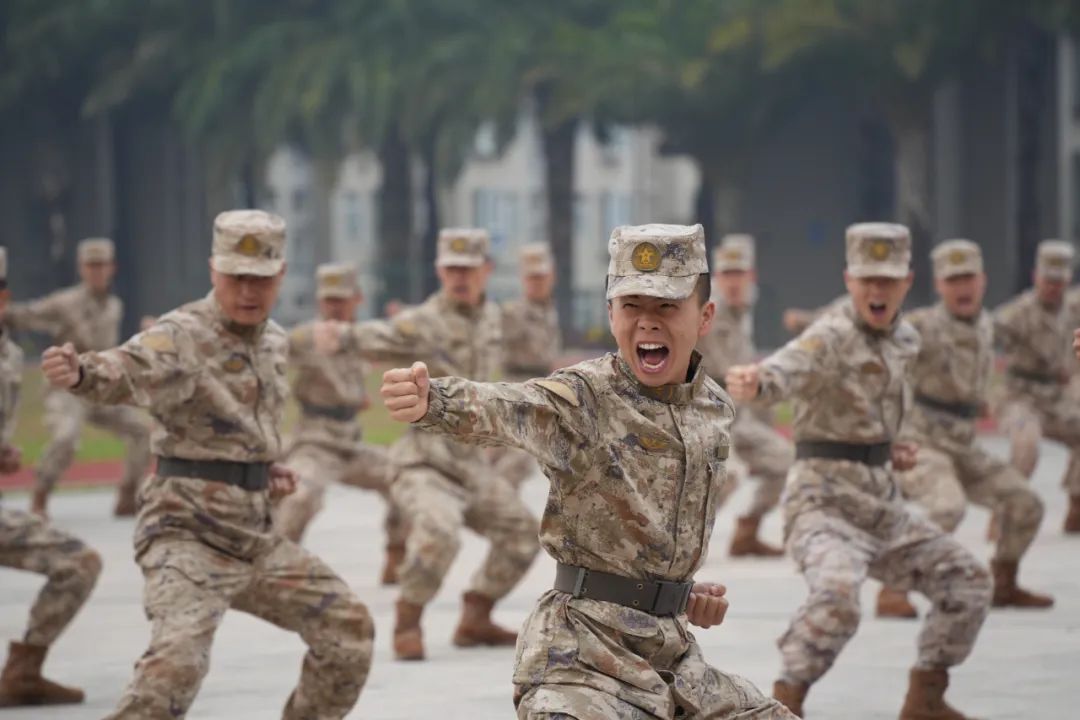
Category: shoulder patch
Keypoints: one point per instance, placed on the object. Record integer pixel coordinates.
(561, 389)
(810, 344)
(158, 342)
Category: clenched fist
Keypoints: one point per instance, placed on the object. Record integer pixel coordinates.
(707, 605)
(904, 455)
(405, 392)
(743, 382)
(282, 482)
(10, 459)
(61, 366)
(326, 336)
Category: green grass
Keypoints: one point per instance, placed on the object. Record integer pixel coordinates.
(31, 435)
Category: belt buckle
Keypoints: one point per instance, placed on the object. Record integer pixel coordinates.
(675, 593)
(579, 582)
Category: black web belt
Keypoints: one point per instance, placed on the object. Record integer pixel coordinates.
(1031, 375)
(343, 413)
(872, 454)
(247, 476)
(967, 411)
(656, 597)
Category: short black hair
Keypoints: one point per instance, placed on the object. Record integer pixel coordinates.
(702, 288)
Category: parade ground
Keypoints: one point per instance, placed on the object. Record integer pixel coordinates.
(1024, 666)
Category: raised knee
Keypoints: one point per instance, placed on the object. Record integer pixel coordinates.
(949, 515)
(352, 635)
(834, 608)
(90, 564)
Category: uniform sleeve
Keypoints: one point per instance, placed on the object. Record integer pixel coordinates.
(401, 340)
(553, 419)
(157, 364)
(41, 316)
(13, 393)
(798, 367)
(1006, 331)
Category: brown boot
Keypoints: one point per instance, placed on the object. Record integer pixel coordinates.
(476, 627)
(926, 697)
(125, 503)
(21, 682)
(790, 695)
(895, 604)
(1072, 519)
(39, 503)
(1008, 594)
(394, 555)
(408, 637)
(745, 541)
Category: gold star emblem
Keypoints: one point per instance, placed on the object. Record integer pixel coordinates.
(880, 250)
(248, 246)
(234, 364)
(332, 280)
(646, 257)
(733, 254)
(1056, 263)
(958, 257)
(459, 245)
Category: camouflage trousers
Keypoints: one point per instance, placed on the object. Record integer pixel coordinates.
(768, 456)
(584, 659)
(435, 509)
(1027, 420)
(205, 547)
(513, 465)
(945, 480)
(29, 543)
(65, 416)
(835, 556)
(364, 466)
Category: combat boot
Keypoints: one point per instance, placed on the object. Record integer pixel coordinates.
(21, 683)
(1072, 519)
(125, 503)
(895, 604)
(408, 637)
(1008, 594)
(39, 503)
(476, 627)
(790, 695)
(926, 697)
(745, 541)
(394, 555)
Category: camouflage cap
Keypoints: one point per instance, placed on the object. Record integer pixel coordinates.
(536, 259)
(3, 263)
(248, 242)
(96, 250)
(336, 280)
(656, 260)
(463, 247)
(735, 252)
(956, 257)
(1054, 260)
(878, 250)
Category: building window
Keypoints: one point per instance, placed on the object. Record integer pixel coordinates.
(500, 212)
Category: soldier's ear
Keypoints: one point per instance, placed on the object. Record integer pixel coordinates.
(708, 312)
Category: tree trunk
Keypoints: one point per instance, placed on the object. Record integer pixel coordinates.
(558, 146)
(1030, 102)
(729, 194)
(705, 206)
(910, 125)
(431, 210)
(395, 218)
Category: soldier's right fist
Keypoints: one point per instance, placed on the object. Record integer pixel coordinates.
(405, 392)
(743, 382)
(61, 366)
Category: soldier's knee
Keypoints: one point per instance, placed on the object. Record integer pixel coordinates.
(949, 514)
(1024, 507)
(90, 564)
(351, 638)
(834, 606)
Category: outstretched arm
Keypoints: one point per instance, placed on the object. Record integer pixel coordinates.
(554, 419)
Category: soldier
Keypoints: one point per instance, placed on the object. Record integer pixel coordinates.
(634, 446)
(88, 316)
(1034, 331)
(441, 484)
(532, 342)
(766, 453)
(844, 517)
(29, 543)
(951, 378)
(212, 374)
(328, 445)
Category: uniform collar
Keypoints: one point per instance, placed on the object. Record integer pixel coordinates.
(681, 394)
(465, 311)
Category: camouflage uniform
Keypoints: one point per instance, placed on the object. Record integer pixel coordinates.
(89, 322)
(845, 520)
(441, 484)
(767, 454)
(328, 446)
(635, 476)
(29, 543)
(532, 342)
(216, 392)
(1037, 343)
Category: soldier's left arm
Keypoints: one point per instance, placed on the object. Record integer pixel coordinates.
(798, 366)
(156, 362)
(553, 419)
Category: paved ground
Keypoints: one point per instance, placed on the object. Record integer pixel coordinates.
(1025, 667)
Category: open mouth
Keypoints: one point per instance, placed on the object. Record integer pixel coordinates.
(652, 356)
(878, 310)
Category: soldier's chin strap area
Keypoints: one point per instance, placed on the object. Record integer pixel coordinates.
(656, 597)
